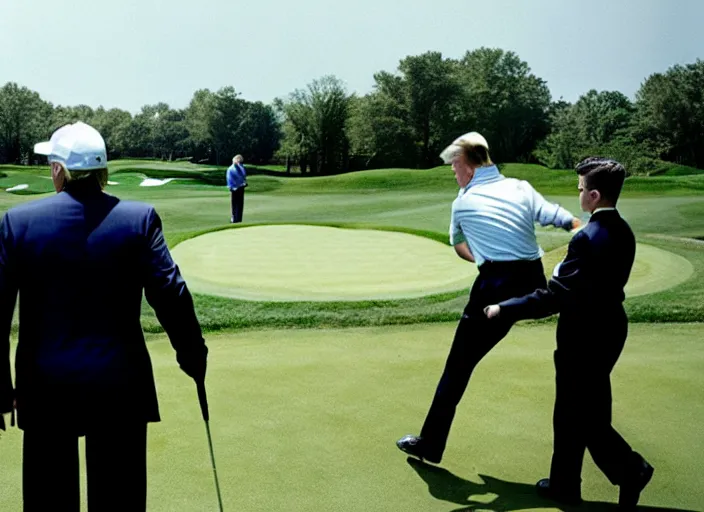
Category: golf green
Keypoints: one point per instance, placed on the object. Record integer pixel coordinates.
(320, 263)
(297, 262)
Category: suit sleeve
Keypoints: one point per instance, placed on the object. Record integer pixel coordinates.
(8, 299)
(167, 293)
(569, 283)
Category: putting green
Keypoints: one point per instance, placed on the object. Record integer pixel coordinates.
(293, 262)
(318, 263)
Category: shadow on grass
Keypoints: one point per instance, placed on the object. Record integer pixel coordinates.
(509, 496)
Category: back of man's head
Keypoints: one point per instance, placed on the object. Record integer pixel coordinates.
(474, 147)
(603, 174)
(80, 150)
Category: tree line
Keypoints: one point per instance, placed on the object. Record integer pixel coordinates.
(405, 121)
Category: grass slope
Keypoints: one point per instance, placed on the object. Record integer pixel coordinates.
(411, 200)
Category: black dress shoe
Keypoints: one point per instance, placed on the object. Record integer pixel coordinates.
(546, 491)
(631, 488)
(413, 445)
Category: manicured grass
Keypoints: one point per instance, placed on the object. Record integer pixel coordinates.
(323, 263)
(296, 262)
(671, 169)
(306, 420)
(414, 200)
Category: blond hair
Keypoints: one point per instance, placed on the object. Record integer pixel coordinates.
(474, 147)
(237, 159)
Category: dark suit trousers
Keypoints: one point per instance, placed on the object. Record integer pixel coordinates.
(582, 414)
(474, 338)
(237, 203)
(116, 467)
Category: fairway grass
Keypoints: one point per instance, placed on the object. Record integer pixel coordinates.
(306, 420)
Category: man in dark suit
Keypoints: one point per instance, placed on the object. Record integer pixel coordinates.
(80, 261)
(587, 289)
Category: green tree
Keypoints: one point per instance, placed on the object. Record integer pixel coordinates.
(24, 121)
(408, 117)
(262, 133)
(504, 101)
(670, 114)
(315, 125)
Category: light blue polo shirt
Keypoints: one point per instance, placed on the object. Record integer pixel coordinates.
(496, 216)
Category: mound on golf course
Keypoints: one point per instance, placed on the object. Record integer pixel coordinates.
(320, 263)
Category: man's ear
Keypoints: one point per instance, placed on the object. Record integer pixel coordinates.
(596, 195)
(58, 175)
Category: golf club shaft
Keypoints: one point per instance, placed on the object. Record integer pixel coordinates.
(203, 400)
(212, 459)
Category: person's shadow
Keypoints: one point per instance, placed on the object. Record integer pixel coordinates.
(510, 496)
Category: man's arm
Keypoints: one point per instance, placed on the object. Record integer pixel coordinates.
(8, 298)
(463, 251)
(458, 240)
(230, 178)
(243, 175)
(546, 213)
(167, 293)
(572, 280)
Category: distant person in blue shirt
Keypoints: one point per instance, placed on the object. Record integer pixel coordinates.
(236, 182)
(492, 225)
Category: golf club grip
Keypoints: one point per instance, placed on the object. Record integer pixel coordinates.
(203, 400)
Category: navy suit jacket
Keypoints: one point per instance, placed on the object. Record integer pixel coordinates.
(589, 285)
(80, 261)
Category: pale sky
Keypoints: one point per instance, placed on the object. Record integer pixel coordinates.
(128, 53)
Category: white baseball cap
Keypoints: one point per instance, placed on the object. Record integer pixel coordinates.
(78, 146)
(468, 139)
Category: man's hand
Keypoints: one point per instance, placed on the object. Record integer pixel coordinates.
(194, 365)
(576, 224)
(492, 311)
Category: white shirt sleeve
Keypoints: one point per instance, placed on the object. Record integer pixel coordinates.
(547, 213)
(456, 235)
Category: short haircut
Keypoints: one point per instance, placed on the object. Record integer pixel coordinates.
(237, 159)
(99, 176)
(603, 174)
(475, 154)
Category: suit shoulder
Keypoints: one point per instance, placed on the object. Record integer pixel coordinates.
(34, 207)
(136, 207)
(584, 236)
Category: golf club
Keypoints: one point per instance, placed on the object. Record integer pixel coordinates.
(203, 399)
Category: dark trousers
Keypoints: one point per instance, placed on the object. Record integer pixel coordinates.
(582, 414)
(116, 466)
(474, 338)
(237, 204)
